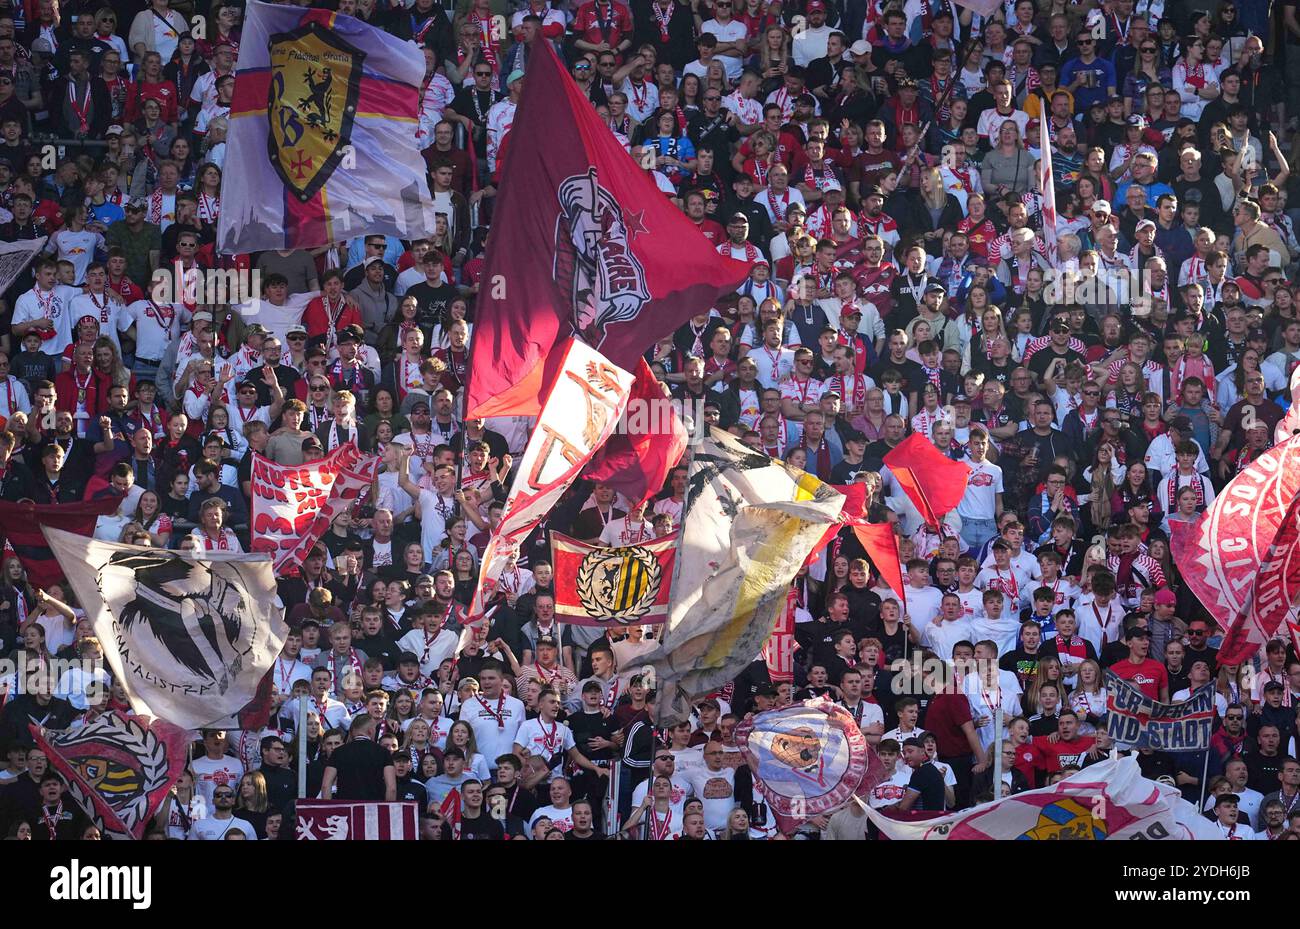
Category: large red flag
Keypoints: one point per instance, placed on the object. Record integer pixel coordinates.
(881, 543)
(1273, 596)
(932, 481)
(20, 525)
(1220, 554)
(636, 460)
(582, 241)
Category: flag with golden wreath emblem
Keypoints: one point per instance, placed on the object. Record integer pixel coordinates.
(598, 585)
(322, 131)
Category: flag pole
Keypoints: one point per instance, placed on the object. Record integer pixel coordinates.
(302, 746)
(1205, 773)
(997, 747)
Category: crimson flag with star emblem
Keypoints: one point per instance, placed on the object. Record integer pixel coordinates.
(583, 242)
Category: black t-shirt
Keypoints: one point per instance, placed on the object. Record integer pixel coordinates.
(480, 827)
(360, 766)
(433, 302)
(591, 726)
(928, 782)
(1044, 357)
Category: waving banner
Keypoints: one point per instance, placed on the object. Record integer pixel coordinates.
(1134, 720)
(293, 506)
(322, 128)
(748, 526)
(119, 768)
(189, 637)
(1109, 800)
(1220, 555)
(580, 414)
(583, 241)
(596, 585)
(808, 759)
(1273, 595)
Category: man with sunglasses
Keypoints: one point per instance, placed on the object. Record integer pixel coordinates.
(222, 820)
(1089, 78)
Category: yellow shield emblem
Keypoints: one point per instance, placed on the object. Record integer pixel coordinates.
(315, 85)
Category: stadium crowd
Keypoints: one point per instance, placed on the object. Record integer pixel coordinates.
(879, 165)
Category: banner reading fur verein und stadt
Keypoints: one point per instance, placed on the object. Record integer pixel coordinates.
(118, 768)
(293, 505)
(808, 759)
(356, 821)
(189, 636)
(579, 415)
(1273, 595)
(748, 525)
(1220, 554)
(599, 585)
(1107, 800)
(1134, 720)
(321, 146)
(583, 241)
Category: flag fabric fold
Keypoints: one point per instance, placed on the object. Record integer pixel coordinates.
(323, 132)
(189, 637)
(1047, 184)
(932, 481)
(1219, 556)
(598, 585)
(582, 242)
(1108, 800)
(1274, 594)
(881, 543)
(20, 524)
(580, 414)
(118, 768)
(748, 526)
(293, 506)
(636, 460)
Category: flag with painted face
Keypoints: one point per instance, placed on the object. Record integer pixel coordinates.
(322, 133)
(808, 760)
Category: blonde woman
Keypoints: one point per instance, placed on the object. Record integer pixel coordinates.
(250, 801)
(1088, 698)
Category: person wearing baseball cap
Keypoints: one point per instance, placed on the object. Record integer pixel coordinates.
(1139, 668)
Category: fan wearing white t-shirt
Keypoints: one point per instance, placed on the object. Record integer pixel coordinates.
(46, 308)
(948, 628)
(215, 768)
(631, 529)
(715, 785)
(923, 598)
(551, 740)
(1013, 583)
(494, 715)
(981, 504)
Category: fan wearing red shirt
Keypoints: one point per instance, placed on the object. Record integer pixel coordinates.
(948, 717)
(331, 311)
(1140, 670)
(602, 26)
(696, 212)
(151, 85)
(1065, 748)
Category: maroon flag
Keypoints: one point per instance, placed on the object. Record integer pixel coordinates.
(636, 460)
(932, 481)
(357, 821)
(881, 544)
(1273, 595)
(582, 241)
(119, 768)
(1219, 555)
(20, 525)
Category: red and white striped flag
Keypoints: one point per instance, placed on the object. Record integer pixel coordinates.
(1047, 181)
(357, 821)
